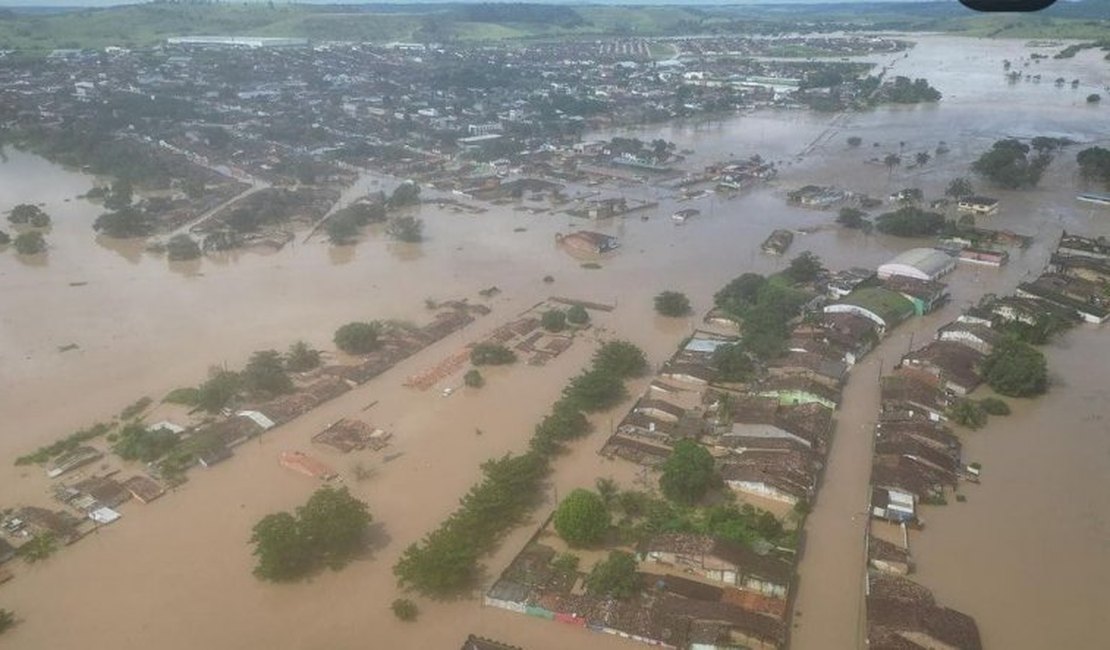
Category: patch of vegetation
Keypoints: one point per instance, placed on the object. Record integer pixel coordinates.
(621, 358)
(577, 315)
(7, 620)
(329, 530)
(804, 268)
(910, 221)
(688, 473)
(1094, 164)
(994, 406)
(764, 308)
(136, 442)
(903, 90)
(491, 354)
(301, 357)
(554, 320)
(473, 378)
(959, 187)
(614, 577)
(968, 413)
(855, 218)
(135, 408)
(1007, 164)
(185, 396)
(358, 337)
(39, 548)
(582, 518)
(406, 228)
(264, 375)
(672, 303)
(404, 609)
(218, 390)
(27, 214)
(592, 266)
(29, 243)
(733, 363)
(407, 193)
(181, 248)
(65, 445)
(1016, 369)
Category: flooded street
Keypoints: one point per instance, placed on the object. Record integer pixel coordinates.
(1028, 554)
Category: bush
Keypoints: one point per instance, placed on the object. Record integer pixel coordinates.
(1007, 165)
(39, 548)
(7, 620)
(218, 391)
(404, 609)
(582, 518)
(577, 315)
(554, 320)
(968, 413)
(407, 193)
(1094, 98)
(341, 230)
(358, 337)
(733, 363)
(136, 442)
(804, 268)
(672, 303)
(473, 378)
(184, 396)
(854, 141)
(5, 238)
(30, 243)
(910, 221)
(27, 213)
(265, 375)
(406, 229)
(181, 248)
(491, 354)
(1015, 369)
(994, 406)
(853, 218)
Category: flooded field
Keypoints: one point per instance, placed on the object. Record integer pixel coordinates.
(1027, 555)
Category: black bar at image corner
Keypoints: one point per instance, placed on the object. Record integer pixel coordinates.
(1007, 5)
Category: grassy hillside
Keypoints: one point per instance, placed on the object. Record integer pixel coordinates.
(144, 25)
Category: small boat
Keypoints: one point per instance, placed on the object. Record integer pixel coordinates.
(682, 215)
(1094, 197)
(778, 242)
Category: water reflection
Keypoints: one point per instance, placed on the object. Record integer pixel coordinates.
(340, 255)
(405, 252)
(129, 249)
(37, 260)
(187, 268)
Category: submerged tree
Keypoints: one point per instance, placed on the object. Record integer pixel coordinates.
(672, 303)
(582, 518)
(688, 473)
(182, 247)
(301, 357)
(30, 243)
(358, 337)
(406, 228)
(614, 577)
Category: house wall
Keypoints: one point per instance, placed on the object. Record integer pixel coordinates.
(966, 338)
(842, 308)
(764, 490)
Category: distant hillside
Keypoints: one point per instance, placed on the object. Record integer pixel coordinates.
(148, 24)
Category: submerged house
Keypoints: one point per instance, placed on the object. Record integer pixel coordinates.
(881, 306)
(587, 241)
(951, 365)
(919, 263)
(721, 561)
(789, 476)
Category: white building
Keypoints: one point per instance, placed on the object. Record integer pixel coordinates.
(919, 263)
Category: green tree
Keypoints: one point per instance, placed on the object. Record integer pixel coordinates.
(405, 228)
(282, 549)
(340, 230)
(1094, 98)
(120, 196)
(921, 158)
(621, 358)
(994, 406)
(5, 238)
(334, 525)
(850, 217)
(442, 563)
(554, 320)
(968, 413)
(7, 620)
(301, 357)
(30, 243)
(491, 354)
(1006, 164)
(218, 390)
(910, 221)
(404, 609)
(566, 563)
(733, 363)
(265, 375)
(595, 390)
(136, 442)
(182, 247)
(672, 303)
(26, 213)
(739, 294)
(959, 187)
(854, 141)
(473, 378)
(358, 337)
(1094, 164)
(891, 161)
(804, 268)
(565, 422)
(577, 315)
(582, 518)
(1015, 369)
(407, 193)
(614, 577)
(607, 489)
(688, 473)
(124, 223)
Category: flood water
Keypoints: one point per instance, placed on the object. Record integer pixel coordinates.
(1027, 555)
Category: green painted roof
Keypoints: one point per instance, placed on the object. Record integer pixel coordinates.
(892, 307)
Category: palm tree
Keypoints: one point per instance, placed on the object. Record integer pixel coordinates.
(891, 161)
(922, 157)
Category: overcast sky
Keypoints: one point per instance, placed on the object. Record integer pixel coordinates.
(109, 3)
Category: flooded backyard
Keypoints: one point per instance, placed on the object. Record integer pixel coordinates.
(1028, 554)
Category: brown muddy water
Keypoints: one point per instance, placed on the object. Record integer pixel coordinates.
(1028, 555)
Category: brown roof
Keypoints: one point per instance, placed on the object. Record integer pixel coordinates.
(919, 452)
(108, 492)
(62, 524)
(748, 562)
(956, 362)
(930, 433)
(661, 405)
(880, 549)
(924, 290)
(480, 643)
(910, 389)
(144, 488)
(904, 474)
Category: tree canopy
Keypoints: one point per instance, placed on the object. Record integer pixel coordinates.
(265, 375)
(407, 193)
(358, 337)
(688, 473)
(595, 390)
(137, 442)
(554, 320)
(491, 354)
(1007, 164)
(614, 577)
(850, 217)
(218, 390)
(182, 247)
(1015, 369)
(959, 187)
(621, 358)
(1094, 164)
(733, 363)
(910, 221)
(582, 518)
(29, 243)
(577, 315)
(672, 303)
(29, 214)
(804, 268)
(328, 530)
(301, 357)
